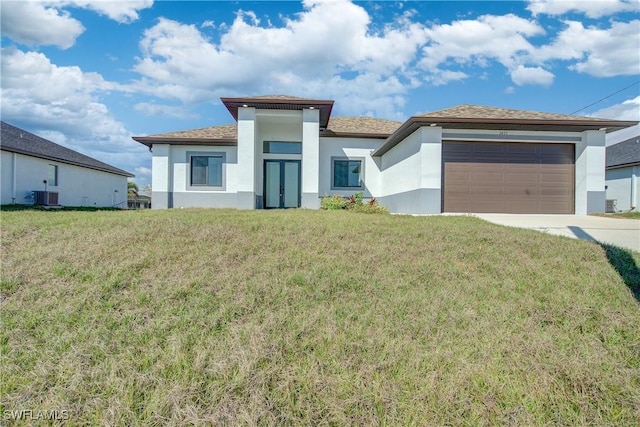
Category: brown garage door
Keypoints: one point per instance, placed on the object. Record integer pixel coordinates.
(508, 177)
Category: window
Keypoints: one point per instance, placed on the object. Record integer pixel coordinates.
(207, 170)
(347, 173)
(53, 175)
(282, 147)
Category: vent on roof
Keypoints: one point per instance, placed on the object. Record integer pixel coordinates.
(610, 205)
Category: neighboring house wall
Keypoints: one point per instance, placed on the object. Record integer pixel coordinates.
(623, 185)
(77, 186)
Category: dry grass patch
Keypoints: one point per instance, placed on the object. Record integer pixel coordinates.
(312, 318)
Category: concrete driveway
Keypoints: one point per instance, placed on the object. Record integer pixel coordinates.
(616, 231)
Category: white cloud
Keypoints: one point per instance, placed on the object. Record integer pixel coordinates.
(592, 9)
(49, 23)
(440, 77)
(598, 52)
(62, 103)
(143, 171)
(479, 42)
(329, 44)
(117, 10)
(489, 37)
(34, 23)
(152, 109)
(522, 75)
(626, 110)
(510, 90)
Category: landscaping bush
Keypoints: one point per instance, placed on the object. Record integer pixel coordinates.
(332, 203)
(354, 203)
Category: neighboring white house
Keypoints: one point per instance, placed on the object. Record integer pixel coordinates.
(287, 152)
(72, 179)
(623, 175)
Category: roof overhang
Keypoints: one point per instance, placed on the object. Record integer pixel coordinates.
(579, 125)
(261, 103)
(326, 133)
(623, 165)
(114, 170)
(150, 140)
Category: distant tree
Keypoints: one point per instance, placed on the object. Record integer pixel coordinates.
(132, 190)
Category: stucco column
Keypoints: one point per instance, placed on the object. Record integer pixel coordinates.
(161, 172)
(431, 169)
(310, 158)
(590, 173)
(246, 158)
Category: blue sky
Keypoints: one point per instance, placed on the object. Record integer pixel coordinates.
(90, 74)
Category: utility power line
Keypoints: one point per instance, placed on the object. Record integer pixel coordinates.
(607, 97)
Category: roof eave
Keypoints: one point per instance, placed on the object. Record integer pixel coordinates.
(323, 105)
(499, 124)
(331, 134)
(115, 171)
(150, 140)
(623, 165)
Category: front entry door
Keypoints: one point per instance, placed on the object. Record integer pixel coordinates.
(281, 184)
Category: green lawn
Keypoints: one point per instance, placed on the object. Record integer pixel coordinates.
(201, 317)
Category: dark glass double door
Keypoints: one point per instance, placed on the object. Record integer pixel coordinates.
(281, 184)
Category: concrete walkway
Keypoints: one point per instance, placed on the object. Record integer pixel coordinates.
(616, 231)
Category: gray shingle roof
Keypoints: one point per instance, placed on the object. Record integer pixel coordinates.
(228, 134)
(483, 112)
(625, 153)
(20, 141)
(213, 132)
(366, 126)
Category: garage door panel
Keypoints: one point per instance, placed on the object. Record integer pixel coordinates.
(508, 177)
(493, 176)
(555, 178)
(558, 151)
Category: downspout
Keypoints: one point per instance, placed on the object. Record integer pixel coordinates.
(13, 178)
(634, 185)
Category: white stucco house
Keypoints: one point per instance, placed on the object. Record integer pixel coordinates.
(72, 179)
(623, 175)
(287, 152)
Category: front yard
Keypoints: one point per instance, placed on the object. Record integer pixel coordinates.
(200, 317)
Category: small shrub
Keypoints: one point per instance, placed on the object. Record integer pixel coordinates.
(370, 207)
(354, 203)
(332, 203)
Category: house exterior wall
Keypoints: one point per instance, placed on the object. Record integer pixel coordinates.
(623, 185)
(590, 172)
(173, 190)
(243, 170)
(354, 149)
(310, 158)
(274, 126)
(411, 173)
(77, 186)
(406, 179)
(590, 158)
